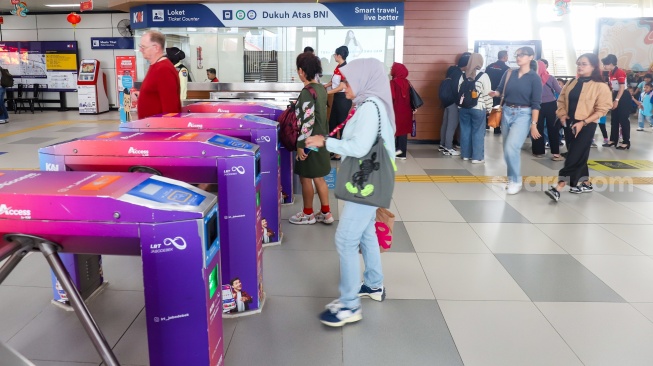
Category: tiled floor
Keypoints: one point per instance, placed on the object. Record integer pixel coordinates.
(476, 277)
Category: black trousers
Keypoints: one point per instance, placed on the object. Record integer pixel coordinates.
(619, 118)
(578, 152)
(604, 131)
(401, 143)
(547, 119)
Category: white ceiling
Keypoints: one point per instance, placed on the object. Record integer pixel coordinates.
(39, 5)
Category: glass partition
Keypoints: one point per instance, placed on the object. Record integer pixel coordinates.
(267, 54)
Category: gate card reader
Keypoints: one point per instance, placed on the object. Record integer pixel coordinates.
(191, 157)
(126, 214)
(258, 130)
(260, 109)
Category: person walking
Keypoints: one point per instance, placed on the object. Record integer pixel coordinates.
(160, 89)
(547, 118)
(521, 109)
(581, 104)
(400, 88)
(341, 105)
(369, 89)
(312, 165)
(620, 106)
(7, 81)
(645, 107)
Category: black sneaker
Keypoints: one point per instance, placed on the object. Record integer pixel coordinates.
(586, 188)
(553, 194)
(576, 190)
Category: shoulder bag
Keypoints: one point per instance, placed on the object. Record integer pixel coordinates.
(368, 180)
(415, 100)
(494, 120)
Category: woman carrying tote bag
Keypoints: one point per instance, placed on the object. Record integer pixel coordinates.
(367, 85)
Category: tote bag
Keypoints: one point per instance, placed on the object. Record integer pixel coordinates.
(368, 180)
(494, 120)
(415, 100)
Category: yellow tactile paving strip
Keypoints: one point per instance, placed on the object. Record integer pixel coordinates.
(500, 179)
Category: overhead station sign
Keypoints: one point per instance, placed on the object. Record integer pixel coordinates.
(266, 15)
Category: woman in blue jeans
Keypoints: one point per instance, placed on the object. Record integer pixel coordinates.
(522, 97)
(366, 84)
(472, 120)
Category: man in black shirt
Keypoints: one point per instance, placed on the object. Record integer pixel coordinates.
(495, 71)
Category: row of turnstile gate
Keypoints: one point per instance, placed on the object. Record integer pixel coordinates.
(197, 195)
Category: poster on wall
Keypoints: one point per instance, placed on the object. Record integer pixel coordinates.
(490, 49)
(362, 43)
(51, 64)
(125, 76)
(629, 39)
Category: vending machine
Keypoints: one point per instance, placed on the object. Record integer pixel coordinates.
(92, 88)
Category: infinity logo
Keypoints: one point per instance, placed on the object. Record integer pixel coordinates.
(238, 169)
(264, 138)
(177, 242)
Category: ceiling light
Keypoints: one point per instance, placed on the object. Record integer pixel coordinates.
(61, 5)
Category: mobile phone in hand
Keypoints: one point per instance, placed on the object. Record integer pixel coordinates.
(573, 129)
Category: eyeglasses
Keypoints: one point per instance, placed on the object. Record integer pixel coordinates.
(517, 55)
(583, 64)
(141, 47)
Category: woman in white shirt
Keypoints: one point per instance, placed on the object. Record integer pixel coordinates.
(472, 120)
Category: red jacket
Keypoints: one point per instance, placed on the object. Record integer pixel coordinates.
(401, 99)
(160, 90)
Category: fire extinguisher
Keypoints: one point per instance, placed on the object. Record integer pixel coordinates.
(199, 58)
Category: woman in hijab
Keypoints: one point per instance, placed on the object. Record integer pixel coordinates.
(472, 120)
(367, 85)
(547, 118)
(400, 88)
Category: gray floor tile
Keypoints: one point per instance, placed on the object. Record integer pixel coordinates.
(76, 129)
(33, 140)
(426, 154)
(114, 311)
(488, 211)
(547, 162)
(556, 278)
(55, 363)
(307, 237)
(132, 347)
(32, 271)
(422, 338)
(123, 272)
(401, 242)
(632, 195)
(301, 273)
(228, 329)
(287, 332)
(19, 306)
(457, 172)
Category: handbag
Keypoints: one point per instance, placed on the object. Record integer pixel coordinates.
(494, 119)
(384, 225)
(415, 100)
(368, 180)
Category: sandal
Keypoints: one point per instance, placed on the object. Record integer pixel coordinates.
(557, 158)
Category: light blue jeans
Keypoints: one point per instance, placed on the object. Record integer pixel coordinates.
(641, 119)
(356, 230)
(472, 133)
(515, 126)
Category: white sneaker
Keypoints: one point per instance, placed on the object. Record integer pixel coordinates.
(325, 218)
(513, 188)
(302, 219)
(465, 159)
(398, 152)
(640, 129)
(451, 152)
(442, 148)
(478, 161)
(3, 121)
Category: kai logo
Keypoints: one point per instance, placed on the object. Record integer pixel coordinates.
(8, 211)
(135, 151)
(137, 17)
(49, 167)
(235, 170)
(193, 125)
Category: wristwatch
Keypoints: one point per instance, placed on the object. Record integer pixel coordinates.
(616, 99)
(534, 123)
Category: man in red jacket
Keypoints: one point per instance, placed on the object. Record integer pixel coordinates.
(160, 89)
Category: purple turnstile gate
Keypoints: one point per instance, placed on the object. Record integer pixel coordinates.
(193, 157)
(170, 224)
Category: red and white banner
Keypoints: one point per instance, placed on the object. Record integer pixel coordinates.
(86, 5)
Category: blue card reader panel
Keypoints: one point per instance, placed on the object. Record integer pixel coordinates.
(262, 120)
(158, 191)
(227, 141)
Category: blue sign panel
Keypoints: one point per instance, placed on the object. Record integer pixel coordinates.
(112, 43)
(268, 15)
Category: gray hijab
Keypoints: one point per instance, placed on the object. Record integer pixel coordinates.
(367, 78)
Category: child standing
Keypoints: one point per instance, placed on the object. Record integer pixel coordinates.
(645, 107)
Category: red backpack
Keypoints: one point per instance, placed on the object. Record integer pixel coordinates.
(289, 125)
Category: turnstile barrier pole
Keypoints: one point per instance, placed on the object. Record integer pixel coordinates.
(15, 256)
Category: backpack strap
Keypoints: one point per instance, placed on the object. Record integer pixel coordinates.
(311, 90)
(478, 76)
